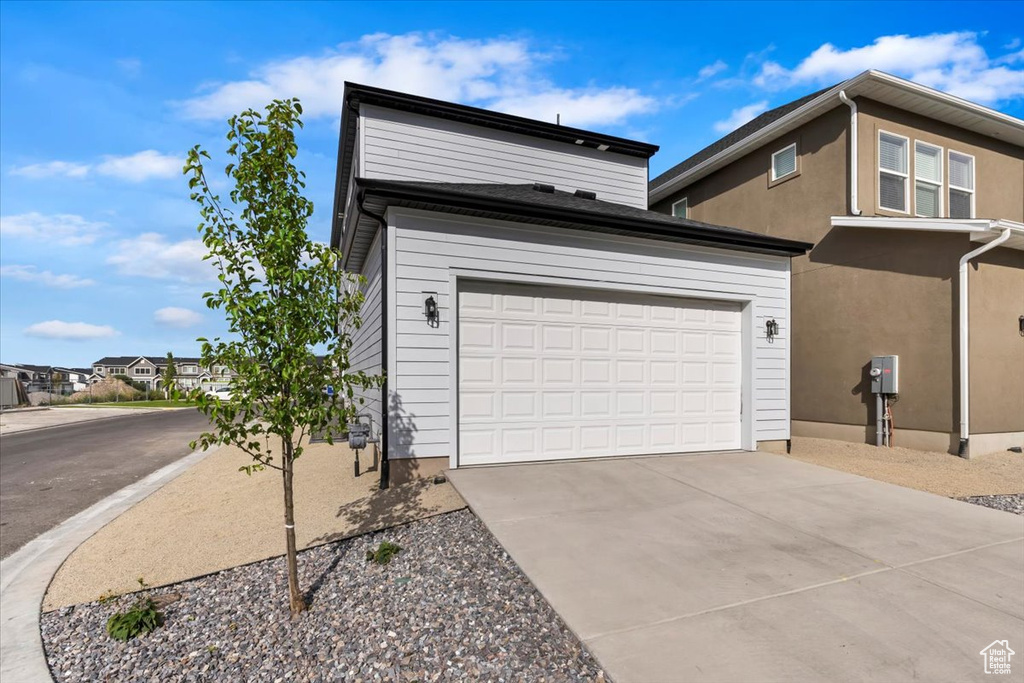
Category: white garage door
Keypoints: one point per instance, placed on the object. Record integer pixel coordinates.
(551, 373)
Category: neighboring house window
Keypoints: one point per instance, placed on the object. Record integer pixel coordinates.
(681, 209)
(98, 369)
(927, 180)
(143, 371)
(892, 171)
(784, 162)
(961, 185)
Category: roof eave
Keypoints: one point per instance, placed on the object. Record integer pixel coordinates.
(749, 143)
(979, 229)
(816, 107)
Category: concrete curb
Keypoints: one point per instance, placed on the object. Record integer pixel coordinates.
(25, 575)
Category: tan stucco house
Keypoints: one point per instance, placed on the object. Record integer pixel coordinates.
(914, 200)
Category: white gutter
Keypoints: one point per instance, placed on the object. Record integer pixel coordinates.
(965, 393)
(854, 204)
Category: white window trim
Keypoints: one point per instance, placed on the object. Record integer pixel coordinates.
(684, 200)
(942, 176)
(796, 162)
(974, 179)
(880, 170)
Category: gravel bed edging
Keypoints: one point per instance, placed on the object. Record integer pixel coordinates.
(1009, 502)
(451, 606)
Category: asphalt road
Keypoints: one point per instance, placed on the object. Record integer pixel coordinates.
(49, 475)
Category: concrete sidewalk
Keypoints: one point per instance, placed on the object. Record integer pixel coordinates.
(14, 421)
(755, 567)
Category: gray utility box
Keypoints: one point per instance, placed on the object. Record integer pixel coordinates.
(885, 375)
(358, 434)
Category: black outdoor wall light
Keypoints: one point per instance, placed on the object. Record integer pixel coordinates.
(771, 329)
(430, 309)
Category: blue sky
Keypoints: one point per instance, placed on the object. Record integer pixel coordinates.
(98, 248)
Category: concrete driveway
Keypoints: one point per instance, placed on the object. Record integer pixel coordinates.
(755, 567)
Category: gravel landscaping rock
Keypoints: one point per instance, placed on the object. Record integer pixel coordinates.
(1013, 502)
(450, 606)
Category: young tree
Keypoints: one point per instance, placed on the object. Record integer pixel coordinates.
(169, 376)
(282, 295)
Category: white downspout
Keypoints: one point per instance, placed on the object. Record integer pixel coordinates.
(854, 202)
(965, 392)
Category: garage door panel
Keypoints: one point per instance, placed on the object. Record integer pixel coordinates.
(556, 373)
(558, 405)
(519, 337)
(559, 339)
(476, 335)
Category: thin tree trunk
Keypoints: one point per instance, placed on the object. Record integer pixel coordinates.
(297, 603)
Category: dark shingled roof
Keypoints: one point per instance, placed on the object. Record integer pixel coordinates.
(732, 138)
(560, 208)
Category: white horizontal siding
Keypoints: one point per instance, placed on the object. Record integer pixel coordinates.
(367, 342)
(404, 146)
(428, 247)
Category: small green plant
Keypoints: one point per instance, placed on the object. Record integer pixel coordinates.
(141, 617)
(384, 552)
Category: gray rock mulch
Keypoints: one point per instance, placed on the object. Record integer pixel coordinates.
(451, 606)
(1010, 502)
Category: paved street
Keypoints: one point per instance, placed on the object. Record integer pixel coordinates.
(51, 474)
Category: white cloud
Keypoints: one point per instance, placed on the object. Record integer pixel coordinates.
(133, 167)
(741, 116)
(497, 73)
(52, 169)
(173, 316)
(717, 67)
(58, 329)
(129, 66)
(141, 166)
(952, 62)
(45, 277)
(67, 230)
(152, 255)
(578, 108)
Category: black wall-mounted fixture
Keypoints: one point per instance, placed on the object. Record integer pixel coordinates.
(430, 309)
(1020, 324)
(771, 329)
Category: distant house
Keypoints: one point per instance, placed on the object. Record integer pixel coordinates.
(148, 370)
(46, 378)
(914, 200)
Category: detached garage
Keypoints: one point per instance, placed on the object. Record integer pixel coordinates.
(525, 306)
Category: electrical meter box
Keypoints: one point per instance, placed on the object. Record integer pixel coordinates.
(885, 375)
